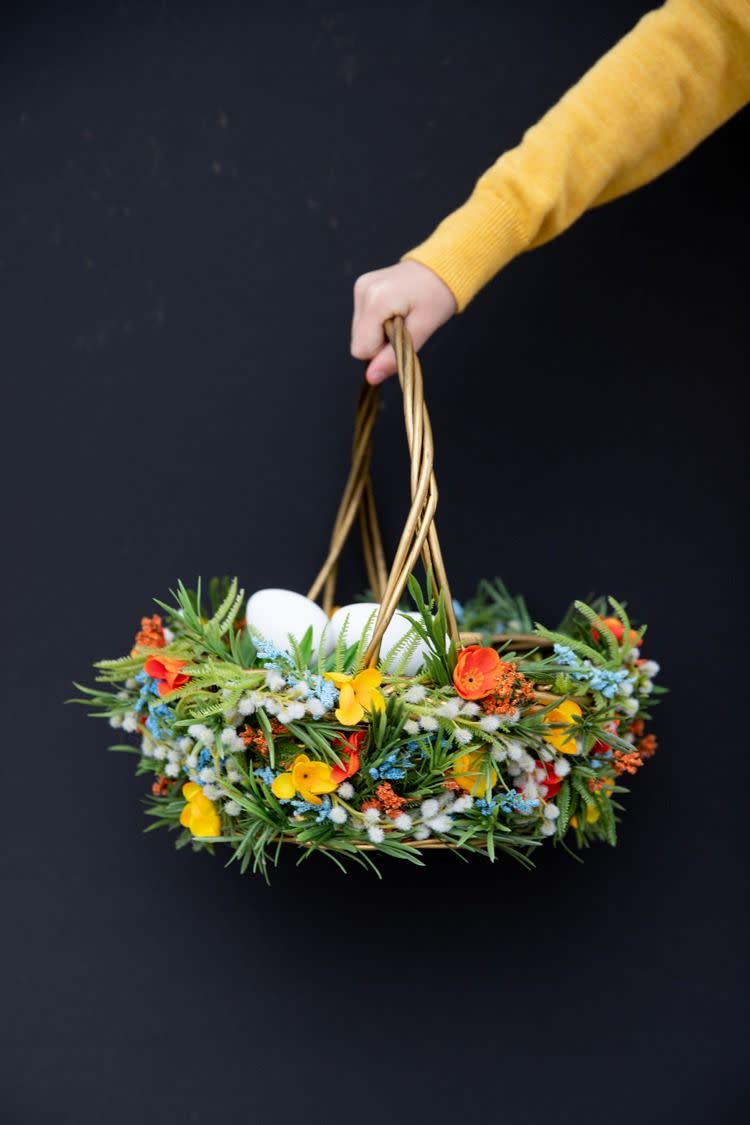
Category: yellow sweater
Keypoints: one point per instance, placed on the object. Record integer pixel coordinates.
(681, 72)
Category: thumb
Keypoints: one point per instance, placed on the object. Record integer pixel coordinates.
(382, 366)
(420, 328)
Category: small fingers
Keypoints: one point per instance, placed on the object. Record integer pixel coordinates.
(382, 366)
(374, 303)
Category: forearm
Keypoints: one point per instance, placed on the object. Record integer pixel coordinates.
(681, 72)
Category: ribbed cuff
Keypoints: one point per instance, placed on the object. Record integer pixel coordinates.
(471, 244)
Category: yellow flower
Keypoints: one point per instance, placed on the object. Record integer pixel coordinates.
(592, 815)
(199, 814)
(469, 771)
(357, 694)
(564, 717)
(306, 778)
(592, 812)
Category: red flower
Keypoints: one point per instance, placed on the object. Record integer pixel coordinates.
(617, 629)
(601, 747)
(166, 670)
(477, 671)
(348, 750)
(550, 780)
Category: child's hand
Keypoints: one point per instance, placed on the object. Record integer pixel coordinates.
(406, 289)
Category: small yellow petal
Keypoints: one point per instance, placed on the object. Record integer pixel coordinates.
(190, 789)
(186, 816)
(377, 703)
(320, 781)
(209, 825)
(310, 797)
(337, 678)
(592, 814)
(368, 679)
(350, 711)
(283, 787)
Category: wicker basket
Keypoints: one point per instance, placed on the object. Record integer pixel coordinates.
(209, 675)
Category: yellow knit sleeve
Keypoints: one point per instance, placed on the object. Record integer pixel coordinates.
(679, 74)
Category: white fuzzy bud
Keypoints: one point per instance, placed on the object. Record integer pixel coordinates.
(442, 823)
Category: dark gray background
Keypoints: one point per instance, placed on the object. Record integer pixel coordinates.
(188, 192)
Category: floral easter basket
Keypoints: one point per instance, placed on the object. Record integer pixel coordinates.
(504, 735)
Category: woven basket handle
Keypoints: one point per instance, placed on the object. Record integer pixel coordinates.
(420, 534)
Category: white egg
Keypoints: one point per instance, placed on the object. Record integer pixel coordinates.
(397, 631)
(361, 616)
(277, 613)
(353, 620)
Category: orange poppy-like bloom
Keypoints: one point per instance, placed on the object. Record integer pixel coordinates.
(477, 672)
(348, 750)
(151, 634)
(617, 629)
(166, 670)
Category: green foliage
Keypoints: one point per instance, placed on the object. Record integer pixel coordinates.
(493, 609)
(432, 627)
(401, 747)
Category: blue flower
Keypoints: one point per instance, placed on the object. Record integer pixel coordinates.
(301, 806)
(599, 679)
(514, 802)
(566, 656)
(606, 682)
(156, 712)
(268, 651)
(324, 809)
(392, 768)
(205, 758)
(149, 687)
(485, 806)
(266, 775)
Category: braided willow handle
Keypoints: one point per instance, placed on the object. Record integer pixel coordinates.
(420, 534)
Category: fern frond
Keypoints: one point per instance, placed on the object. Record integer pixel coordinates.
(579, 647)
(613, 649)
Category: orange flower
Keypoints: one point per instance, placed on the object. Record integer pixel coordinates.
(390, 802)
(348, 751)
(512, 690)
(617, 629)
(151, 634)
(166, 670)
(477, 672)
